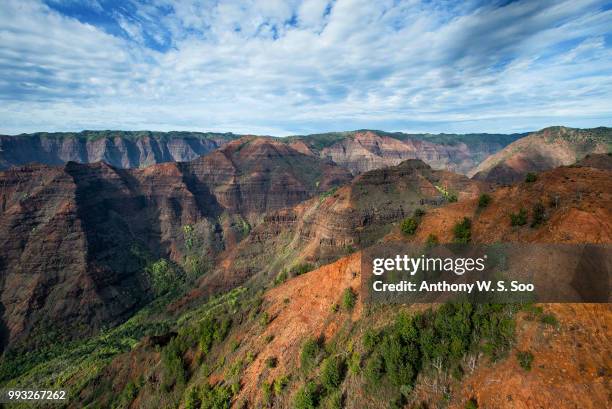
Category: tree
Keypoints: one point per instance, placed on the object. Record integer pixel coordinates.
(348, 299)
(332, 372)
(518, 219)
(525, 358)
(409, 226)
(484, 200)
(537, 217)
(463, 231)
(307, 397)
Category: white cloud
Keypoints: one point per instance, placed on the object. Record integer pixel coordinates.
(292, 67)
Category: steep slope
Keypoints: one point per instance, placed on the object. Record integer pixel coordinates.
(576, 207)
(76, 239)
(543, 150)
(261, 348)
(339, 221)
(122, 149)
(255, 175)
(364, 150)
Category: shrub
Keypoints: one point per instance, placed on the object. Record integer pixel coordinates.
(281, 277)
(310, 354)
(163, 276)
(463, 231)
(371, 338)
(264, 319)
(549, 319)
(301, 268)
(348, 299)
(537, 217)
(271, 362)
(332, 372)
(333, 401)
(432, 240)
(173, 371)
(266, 391)
(525, 358)
(518, 219)
(349, 249)
(192, 401)
(354, 364)
(471, 404)
(409, 226)
(531, 177)
(211, 331)
(307, 397)
(374, 368)
(216, 397)
(280, 384)
(484, 200)
(335, 307)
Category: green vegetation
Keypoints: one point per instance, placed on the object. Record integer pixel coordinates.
(333, 400)
(525, 358)
(267, 393)
(310, 355)
(215, 397)
(462, 231)
(471, 404)
(271, 362)
(211, 331)
(432, 240)
(484, 200)
(307, 397)
(280, 384)
(348, 299)
(300, 269)
(409, 226)
(549, 319)
(354, 364)
(449, 195)
(329, 193)
(538, 215)
(281, 277)
(531, 177)
(518, 219)
(163, 276)
(436, 340)
(332, 372)
(78, 364)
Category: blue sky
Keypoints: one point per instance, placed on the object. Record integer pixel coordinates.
(293, 67)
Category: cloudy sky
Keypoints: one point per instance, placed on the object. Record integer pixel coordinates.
(293, 67)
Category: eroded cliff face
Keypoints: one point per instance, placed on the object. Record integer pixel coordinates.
(367, 150)
(340, 221)
(357, 151)
(75, 239)
(122, 149)
(253, 175)
(543, 150)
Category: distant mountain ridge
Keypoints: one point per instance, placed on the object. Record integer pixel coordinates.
(364, 150)
(543, 150)
(123, 149)
(492, 157)
(358, 151)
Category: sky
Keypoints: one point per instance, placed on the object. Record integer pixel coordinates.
(273, 67)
